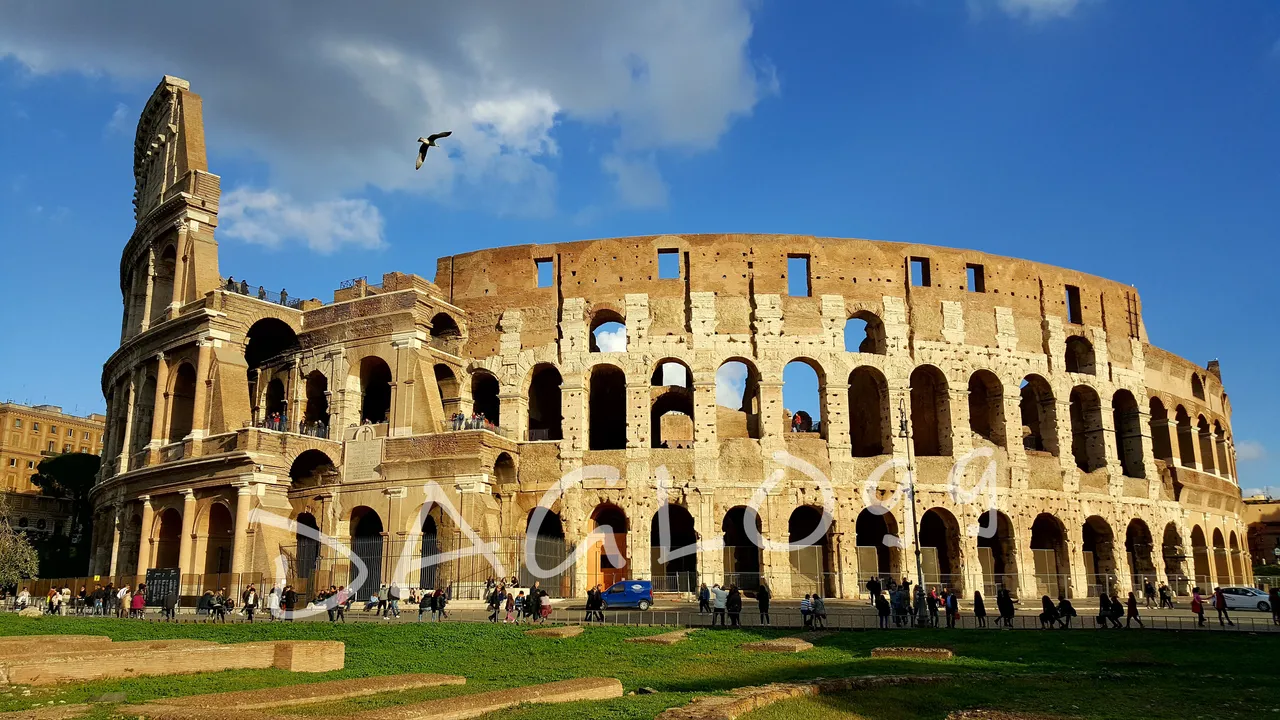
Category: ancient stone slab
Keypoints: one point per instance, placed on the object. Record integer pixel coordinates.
(668, 638)
(306, 694)
(468, 706)
(743, 700)
(780, 645)
(309, 655)
(26, 644)
(558, 631)
(914, 653)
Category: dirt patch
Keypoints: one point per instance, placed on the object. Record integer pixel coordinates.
(558, 631)
(780, 645)
(913, 653)
(56, 712)
(669, 638)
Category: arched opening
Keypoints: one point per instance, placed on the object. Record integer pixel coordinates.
(168, 539)
(366, 546)
(869, 417)
(182, 403)
(545, 531)
(447, 385)
(375, 390)
(1079, 356)
(737, 400)
(877, 543)
(315, 419)
(1039, 415)
(930, 412)
(1186, 438)
(1220, 442)
(445, 334)
(143, 415)
(1127, 419)
(1098, 546)
(812, 561)
(677, 574)
(1197, 387)
(940, 553)
(1175, 560)
(986, 407)
(312, 468)
(128, 559)
(1200, 559)
(308, 546)
(1161, 444)
(804, 397)
(218, 541)
(742, 556)
(266, 340)
(1050, 554)
(671, 406)
(997, 553)
(1206, 445)
(1237, 562)
(162, 287)
(607, 400)
(1221, 566)
(274, 415)
(429, 574)
(484, 397)
(602, 569)
(504, 469)
(864, 333)
(608, 332)
(1138, 546)
(544, 403)
(1086, 429)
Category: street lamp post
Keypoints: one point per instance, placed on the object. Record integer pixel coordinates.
(904, 432)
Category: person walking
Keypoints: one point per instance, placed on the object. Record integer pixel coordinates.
(873, 589)
(979, 609)
(520, 605)
(882, 610)
(704, 600)
(1131, 613)
(1197, 606)
(288, 601)
(342, 601)
(249, 601)
(819, 608)
(425, 605)
(1220, 604)
(733, 604)
(1104, 611)
(1274, 599)
(138, 605)
(953, 608)
(1149, 594)
(534, 603)
(763, 596)
(932, 602)
(510, 607)
(1117, 611)
(719, 596)
(1166, 597)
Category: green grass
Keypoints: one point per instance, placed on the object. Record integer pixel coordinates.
(1077, 674)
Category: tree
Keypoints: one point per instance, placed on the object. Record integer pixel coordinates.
(70, 476)
(18, 558)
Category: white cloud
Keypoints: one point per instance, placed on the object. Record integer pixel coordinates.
(1031, 10)
(638, 181)
(612, 337)
(120, 122)
(675, 374)
(264, 217)
(1250, 451)
(731, 383)
(332, 95)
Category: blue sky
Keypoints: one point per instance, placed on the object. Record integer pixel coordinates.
(1136, 139)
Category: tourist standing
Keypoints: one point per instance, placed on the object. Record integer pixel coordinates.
(979, 609)
(763, 596)
(719, 596)
(932, 602)
(249, 601)
(953, 608)
(1197, 606)
(510, 608)
(1048, 614)
(819, 611)
(138, 608)
(704, 600)
(806, 611)
(1131, 613)
(273, 604)
(1220, 604)
(1149, 594)
(882, 610)
(170, 606)
(733, 604)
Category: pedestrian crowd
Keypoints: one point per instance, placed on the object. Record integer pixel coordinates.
(474, 421)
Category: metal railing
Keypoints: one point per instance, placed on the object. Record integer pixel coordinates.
(459, 422)
(242, 287)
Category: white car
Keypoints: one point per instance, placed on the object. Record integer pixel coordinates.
(1244, 598)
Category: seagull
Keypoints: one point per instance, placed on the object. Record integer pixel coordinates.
(428, 142)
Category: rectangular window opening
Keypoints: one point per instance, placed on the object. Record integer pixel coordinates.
(977, 279)
(546, 272)
(920, 272)
(668, 264)
(1074, 315)
(798, 284)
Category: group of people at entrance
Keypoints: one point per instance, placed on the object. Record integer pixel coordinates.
(723, 603)
(514, 605)
(895, 601)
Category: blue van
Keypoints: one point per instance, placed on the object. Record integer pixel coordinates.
(629, 594)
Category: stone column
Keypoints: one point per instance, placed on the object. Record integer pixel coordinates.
(961, 435)
(836, 421)
(639, 432)
(199, 423)
(151, 283)
(116, 528)
(144, 536)
(122, 462)
(159, 413)
(240, 541)
(185, 546)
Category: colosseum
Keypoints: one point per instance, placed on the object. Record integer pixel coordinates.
(411, 418)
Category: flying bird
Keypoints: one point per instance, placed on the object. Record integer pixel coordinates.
(428, 142)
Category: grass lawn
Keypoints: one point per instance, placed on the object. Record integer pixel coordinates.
(1095, 674)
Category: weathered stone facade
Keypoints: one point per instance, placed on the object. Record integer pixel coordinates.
(1112, 459)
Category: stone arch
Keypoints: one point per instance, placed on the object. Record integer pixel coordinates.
(870, 420)
(1221, 566)
(275, 402)
(1197, 387)
(182, 399)
(1237, 564)
(1206, 445)
(367, 541)
(1127, 421)
(163, 282)
(167, 534)
(877, 541)
(1098, 546)
(449, 389)
(608, 519)
(864, 333)
(1039, 414)
(1200, 558)
(1186, 438)
(671, 406)
(266, 340)
(1051, 555)
(445, 334)
(308, 548)
(1161, 444)
(1175, 554)
(375, 390)
(144, 412)
(485, 390)
(743, 557)
(813, 564)
(1080, 356)
(804, 394)
(429, 575)
(316, 416)
(545, 418)
(986, 407)
(544, 529)
(1220, 443)
(997, 553)
(678, 574)
(607, 408)
(941, 556)
(738, 399)
(504, 469)
(312, 468)
(219, 531)
(608, 331)
(1086, 429)
(1138, 546)
(930, 411)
